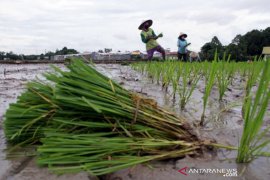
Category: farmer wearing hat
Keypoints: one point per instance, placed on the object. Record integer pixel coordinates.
(182, 47)
(149, 37)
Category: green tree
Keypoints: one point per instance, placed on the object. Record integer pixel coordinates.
(237, 48)
(254, 41)
(209, 48)
(66, 51)
(107, 50)
(266, 37)
(13, 56)
(241, 48)
(42, 56)
(2, 55)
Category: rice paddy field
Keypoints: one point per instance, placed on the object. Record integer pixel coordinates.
(146, 120)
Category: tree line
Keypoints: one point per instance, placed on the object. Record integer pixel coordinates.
(242, 47)
(47, 55)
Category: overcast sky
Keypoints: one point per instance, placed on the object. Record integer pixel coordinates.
(33, 26)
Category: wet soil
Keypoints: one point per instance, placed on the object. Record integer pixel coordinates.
(223, 123)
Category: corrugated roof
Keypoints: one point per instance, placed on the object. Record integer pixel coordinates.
(266, 50)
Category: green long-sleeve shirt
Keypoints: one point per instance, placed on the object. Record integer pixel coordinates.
(150, 43)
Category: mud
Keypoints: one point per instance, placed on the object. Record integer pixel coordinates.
(224, 124)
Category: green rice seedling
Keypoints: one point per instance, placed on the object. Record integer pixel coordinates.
(244, 69)
(167, 74)
(252, 141)
(176, 78)
(140, 67)
(209, 82)
(223, 78)
(151, 70)
(232, 72)
(175, 83)
(190, 77)
(225, 72)
(158, 70)
(253, 72)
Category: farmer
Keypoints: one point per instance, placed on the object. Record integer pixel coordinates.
(149, 37)
(182, 47)
(193, 56)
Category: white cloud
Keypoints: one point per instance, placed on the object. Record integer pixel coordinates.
(31, 26)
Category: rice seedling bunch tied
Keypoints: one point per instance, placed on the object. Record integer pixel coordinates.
(24, 119)
(82, 120)
(99, 154)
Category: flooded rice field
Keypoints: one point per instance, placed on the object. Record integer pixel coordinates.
(223, 124)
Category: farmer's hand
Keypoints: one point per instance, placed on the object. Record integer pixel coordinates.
(156, 37)
(160, 35)
(188, 44)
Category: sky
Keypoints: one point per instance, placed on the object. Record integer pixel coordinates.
(38, 26)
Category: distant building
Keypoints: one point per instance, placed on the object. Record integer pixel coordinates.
(63, 57)
(171, 55)
(137, 52)
(102, 56)
(58, 58)
(266, 52)
(110, 56)
(138, 55)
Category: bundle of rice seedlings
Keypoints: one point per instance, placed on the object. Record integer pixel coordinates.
(94, 119)
(99, 153)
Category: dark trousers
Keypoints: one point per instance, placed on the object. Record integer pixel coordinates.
(159, 49)
(182, 57)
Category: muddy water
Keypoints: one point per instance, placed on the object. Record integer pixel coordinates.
(224, 123)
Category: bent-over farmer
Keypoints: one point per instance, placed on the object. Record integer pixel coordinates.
(149, 37)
